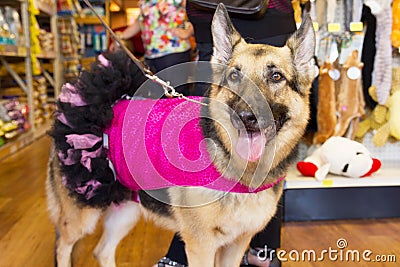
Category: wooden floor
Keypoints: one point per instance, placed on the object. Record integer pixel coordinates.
(27, 236)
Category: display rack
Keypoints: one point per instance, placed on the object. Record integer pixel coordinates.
(77, 32)
(49, 14)
(338, 197)
(14, 55)
(94, 36)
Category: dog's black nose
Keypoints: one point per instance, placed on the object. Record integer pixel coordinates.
(248, 121)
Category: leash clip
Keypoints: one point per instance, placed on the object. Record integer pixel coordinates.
(169, 90)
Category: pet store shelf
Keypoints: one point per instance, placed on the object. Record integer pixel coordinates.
(16, 144)
(13, 51)
(338, 197)
(21, 51)
(23, 140)
(388, 175)
(47, 7)
(12, 57)
(11, 2)
(47, 55)
(89, 20)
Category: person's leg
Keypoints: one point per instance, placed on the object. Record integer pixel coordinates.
(176, 254)
(176, 251)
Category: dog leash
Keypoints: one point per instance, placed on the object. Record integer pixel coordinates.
(169, 90)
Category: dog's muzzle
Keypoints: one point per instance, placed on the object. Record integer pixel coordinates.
(254, 132)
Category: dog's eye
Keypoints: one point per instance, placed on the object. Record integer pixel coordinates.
(234, 75)
(277, 77)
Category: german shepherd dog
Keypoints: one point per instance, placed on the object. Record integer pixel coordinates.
(217, 233)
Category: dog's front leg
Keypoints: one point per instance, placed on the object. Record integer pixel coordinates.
(231, 254)
(118, 221)
(199, 253)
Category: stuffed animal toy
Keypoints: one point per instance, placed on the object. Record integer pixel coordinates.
(350, 99)
(326, 111)
(340, 156)
(383, 120)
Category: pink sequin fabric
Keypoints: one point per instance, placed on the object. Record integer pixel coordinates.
(157, 144)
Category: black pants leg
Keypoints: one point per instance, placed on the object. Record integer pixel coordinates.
(176, 251)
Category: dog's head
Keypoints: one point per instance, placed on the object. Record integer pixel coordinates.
(260, 104)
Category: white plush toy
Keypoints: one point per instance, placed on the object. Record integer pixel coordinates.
(341, 156)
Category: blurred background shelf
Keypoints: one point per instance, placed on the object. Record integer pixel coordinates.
(30, 72)
(13, 50)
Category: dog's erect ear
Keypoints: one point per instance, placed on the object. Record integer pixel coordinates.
(302, 42)
(224, 35)
(302, 45)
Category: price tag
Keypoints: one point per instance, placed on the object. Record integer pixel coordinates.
(356, 26)
(316, 26)
(333, 27)
(327, 183)
(2, 48)
(334, 74)
(353, 73)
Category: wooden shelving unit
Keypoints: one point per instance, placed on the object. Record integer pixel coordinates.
(47, 55)
(89, 20)
(13, 51)
(90, 24)
(16, 144)
(50, 13)
(20, 51)
(10, 54)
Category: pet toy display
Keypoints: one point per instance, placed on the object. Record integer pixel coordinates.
(350, 99)
(384, 120)
(326, 111)
(340, 99)
(340, 156)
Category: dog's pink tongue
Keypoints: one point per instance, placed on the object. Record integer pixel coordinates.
(250, 146)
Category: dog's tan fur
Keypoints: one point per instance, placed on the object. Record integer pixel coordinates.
(218, 233)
